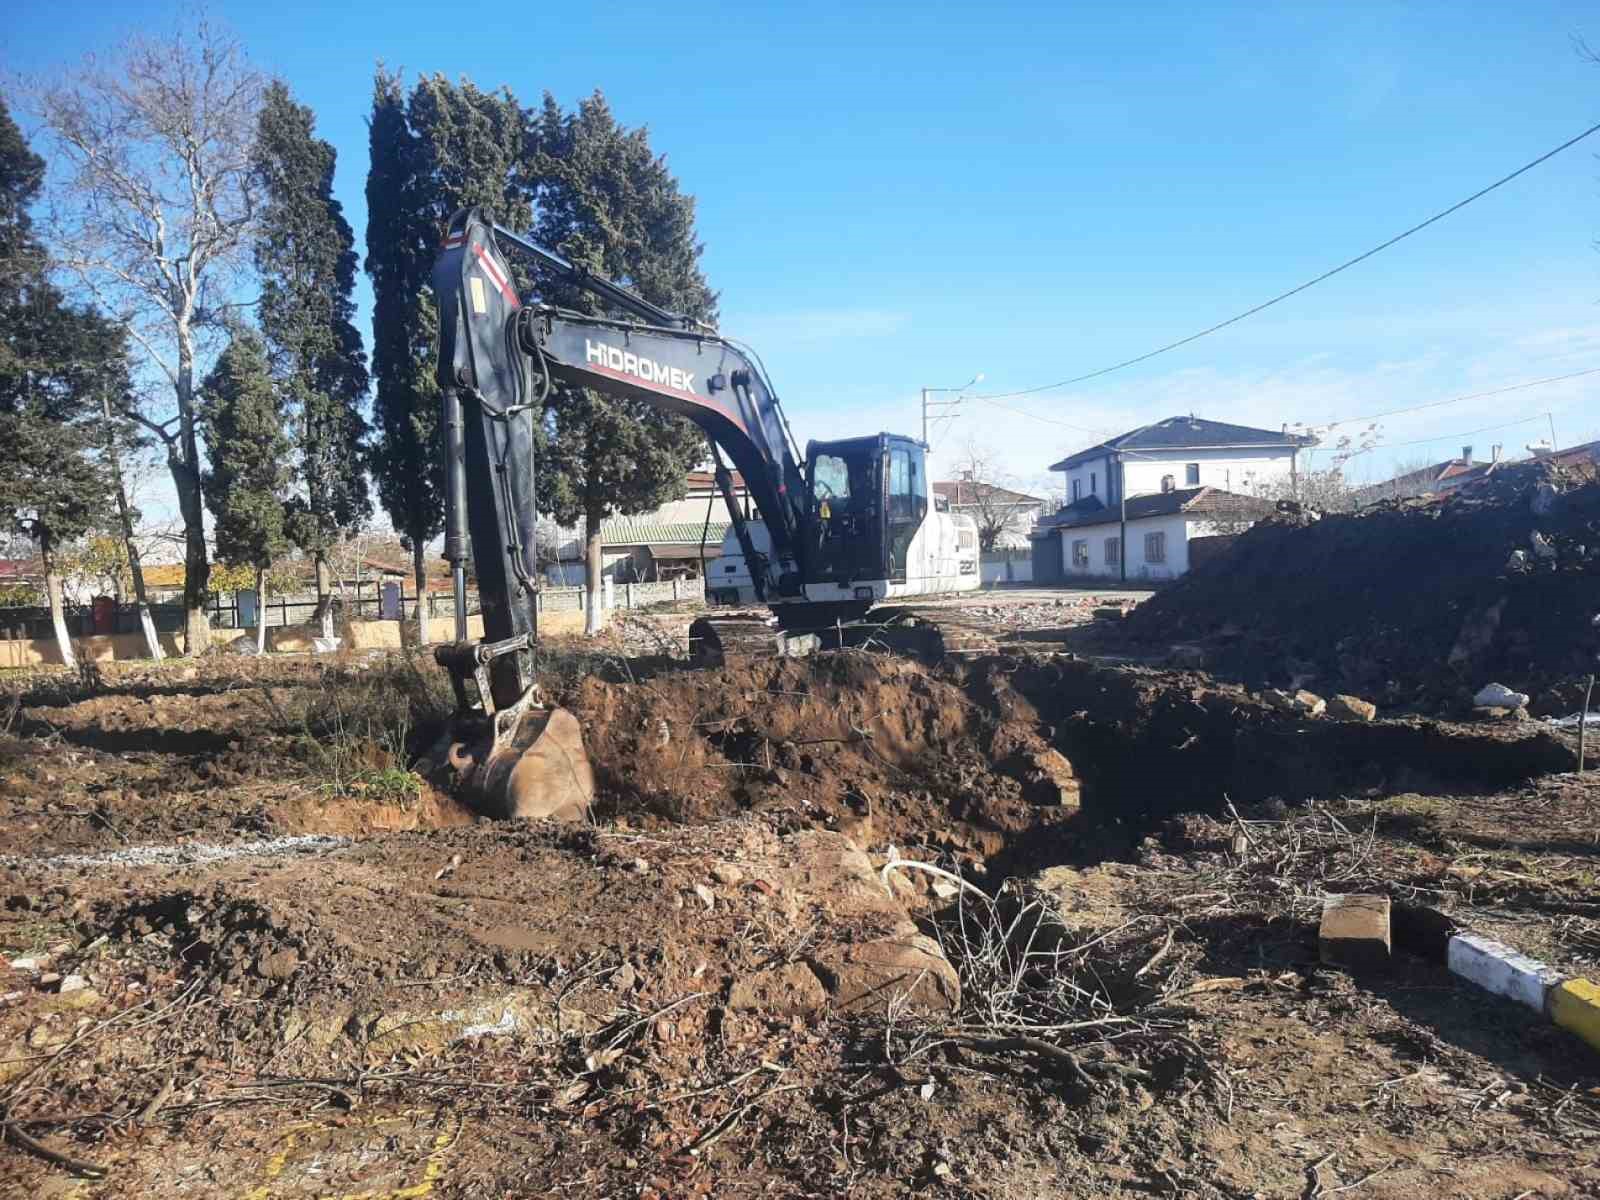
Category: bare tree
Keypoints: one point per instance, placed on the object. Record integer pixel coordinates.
(983, 493)
(1325, 489)
(153, 213)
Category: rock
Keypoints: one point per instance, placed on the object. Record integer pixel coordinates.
(1309, 704)
(873, 975)
(788, 991)
(624, 977)
(280, 965)
(1355, 932)
(639, 866)
(1302, 703)
(1541, 546)
(73, 983)
(1351, 708)
(1518, 561)
(32, 964)
(1048, 779)
(1544, 499)
(50, 978)
(1498, 695)
(727, 874)
(707, 896)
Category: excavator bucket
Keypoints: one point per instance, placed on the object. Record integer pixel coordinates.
(531, 765)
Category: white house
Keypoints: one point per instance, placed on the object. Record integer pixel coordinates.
(1182, 478)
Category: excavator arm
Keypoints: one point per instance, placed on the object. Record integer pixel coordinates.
(498, 361)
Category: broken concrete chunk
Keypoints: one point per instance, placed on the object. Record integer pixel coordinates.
(1498, 695)
(1351, 708)
(73, 983)
(1355, 932)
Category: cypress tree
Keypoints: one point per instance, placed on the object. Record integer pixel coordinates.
(304, 255)
(245, 484)
(447, 147)
(56, 360)
(607, 202)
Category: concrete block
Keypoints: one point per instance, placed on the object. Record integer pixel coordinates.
(1497, 968)
(1575, 1006)
(1355, 932)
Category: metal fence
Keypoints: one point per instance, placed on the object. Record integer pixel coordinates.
(33, 621)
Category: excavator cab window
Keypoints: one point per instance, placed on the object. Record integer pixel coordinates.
(830, 480)
(847, 511)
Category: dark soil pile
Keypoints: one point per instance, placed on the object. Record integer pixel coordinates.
(1414, 602)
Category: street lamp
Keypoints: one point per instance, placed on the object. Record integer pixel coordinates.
(926, 403)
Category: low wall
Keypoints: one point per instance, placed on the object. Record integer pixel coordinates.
(289, 639)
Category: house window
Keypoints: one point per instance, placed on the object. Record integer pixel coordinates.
(1077, 489)
(1191, 475)
(1094, 484)
(1080, 552)
(1113, 552)
(1155, 547)
(1166, 483)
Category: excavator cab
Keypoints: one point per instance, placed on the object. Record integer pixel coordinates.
(868, 497)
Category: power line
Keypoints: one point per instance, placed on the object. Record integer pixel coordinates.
(1443, 437)
(1022, 412)
(1295, 291)
(1515, 387)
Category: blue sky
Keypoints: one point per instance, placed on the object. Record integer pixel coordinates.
(894, 196)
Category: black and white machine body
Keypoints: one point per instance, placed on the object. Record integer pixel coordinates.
(850, 525)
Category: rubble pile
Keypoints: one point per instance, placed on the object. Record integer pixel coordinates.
(1416, 602)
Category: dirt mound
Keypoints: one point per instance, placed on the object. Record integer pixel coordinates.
(879, 747)
(1412, 602)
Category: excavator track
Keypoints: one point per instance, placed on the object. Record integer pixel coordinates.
(930, 632)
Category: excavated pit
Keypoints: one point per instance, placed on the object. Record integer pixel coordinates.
(1011, 761)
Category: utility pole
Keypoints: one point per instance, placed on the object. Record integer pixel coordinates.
(1122, 531)
(928, 403)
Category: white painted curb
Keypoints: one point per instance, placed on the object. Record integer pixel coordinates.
(1497, 968)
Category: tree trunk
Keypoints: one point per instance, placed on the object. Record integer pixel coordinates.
(324, 616)
(147, 625)
(58, 613)
(261, 610)
(185, 466)
(594, 617)
(420, 570)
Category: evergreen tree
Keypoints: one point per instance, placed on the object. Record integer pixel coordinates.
(447, 147)
(307, 265)
(607, 202)
(245, 486)
(54, 361)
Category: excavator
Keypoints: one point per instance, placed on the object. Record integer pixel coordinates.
(847, 528)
